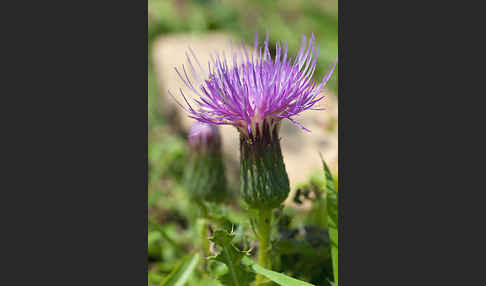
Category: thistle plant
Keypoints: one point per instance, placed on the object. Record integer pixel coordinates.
(254, 91)
(204, 176)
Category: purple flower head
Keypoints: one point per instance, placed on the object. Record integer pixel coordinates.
(204, 136)
(253, 90)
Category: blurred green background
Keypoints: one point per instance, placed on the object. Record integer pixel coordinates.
(171, 230)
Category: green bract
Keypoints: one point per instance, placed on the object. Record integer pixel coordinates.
(204, 176)
(264, 180)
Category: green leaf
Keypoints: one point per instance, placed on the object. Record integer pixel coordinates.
(332, 212)
(279, 278)
(238, 274)
(182, 272)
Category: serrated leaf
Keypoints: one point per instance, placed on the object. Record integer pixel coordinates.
(182, 272)
(238, 274)
(332, 212)
(279, 278)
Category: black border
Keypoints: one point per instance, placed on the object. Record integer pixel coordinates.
(80, 212)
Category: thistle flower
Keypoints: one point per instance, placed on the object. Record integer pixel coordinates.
(254, 94)
(257, 89)
(205, 175)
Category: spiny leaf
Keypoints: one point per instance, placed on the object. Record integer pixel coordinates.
(238, 274)
(182, 272)
(332, 212)
(329, 182)
(279, 278)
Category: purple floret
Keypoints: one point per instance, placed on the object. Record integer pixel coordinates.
(256, 89)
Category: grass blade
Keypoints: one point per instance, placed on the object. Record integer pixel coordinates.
(182, 272)
(279, 278)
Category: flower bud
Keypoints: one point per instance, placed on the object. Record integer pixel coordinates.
(204, 137)
(204, 176)
(264, 180)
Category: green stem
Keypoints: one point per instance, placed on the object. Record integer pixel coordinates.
(205, 238)
(204, 209)
(204, 230)
(264, 228)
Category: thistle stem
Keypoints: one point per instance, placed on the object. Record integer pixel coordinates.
(205, 238)
(264, 229)
(205, 227)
